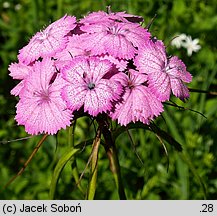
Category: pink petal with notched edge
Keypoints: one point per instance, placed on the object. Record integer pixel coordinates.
(103, 43)
(74, 95)
(178, 70)
(41, 108)
(130, 17)
(95, 43)
(151, 57)
(17, 89)
(163, 73)
(75, 70)
(119, 47)
(115, 38)
(137, 78)
(96, 27)
(98, 69)
(179, 89)
(135, 34)
(75, 90)
(102, 16)
(49, 41)
(19, 71)
(99, 100)
(121, 78)
(46, 118)
(73, 49)
(159, 85)
(121, 64)
(95, 17)
(123, 111)
(80, 68)
(138, 103)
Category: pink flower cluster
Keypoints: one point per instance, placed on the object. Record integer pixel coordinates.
(104, 63)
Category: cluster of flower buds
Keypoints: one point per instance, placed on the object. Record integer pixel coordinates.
(104, 63)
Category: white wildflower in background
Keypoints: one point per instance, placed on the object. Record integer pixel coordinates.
(6, 4)
(191, 45)
(186, 41)
(178, 40)
(18, 7)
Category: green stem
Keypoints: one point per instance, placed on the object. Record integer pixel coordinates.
(75, 172)
(115, 168)
(71, 130)
(111, 152)
(94, 166)
(203, 91)
(28, 160)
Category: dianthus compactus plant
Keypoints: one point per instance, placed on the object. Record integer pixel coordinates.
(105, 66)
(105, 63)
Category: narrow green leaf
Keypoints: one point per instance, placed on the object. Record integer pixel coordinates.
(152, 127)
(94, 166)
(123, 129)
(75, 172)
(58, 169)
(82, 144)
(166, 136)
(187, 160)
(181, 167)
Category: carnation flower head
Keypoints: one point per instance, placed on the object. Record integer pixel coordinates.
(113, 37)
(137, 103)
(105, 63)
(87, 85)
(164, 74)
(49, 41)
(73, 49)
(41, 108)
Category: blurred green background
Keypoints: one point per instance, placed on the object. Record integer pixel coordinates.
(189, 177)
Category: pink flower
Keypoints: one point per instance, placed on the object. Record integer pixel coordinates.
(138, 103)
(73, 49)
(41, 108)
(19, 71)
(164, 74)
(49, 41)
(119, 39)
(105, 63)
(87, 85)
